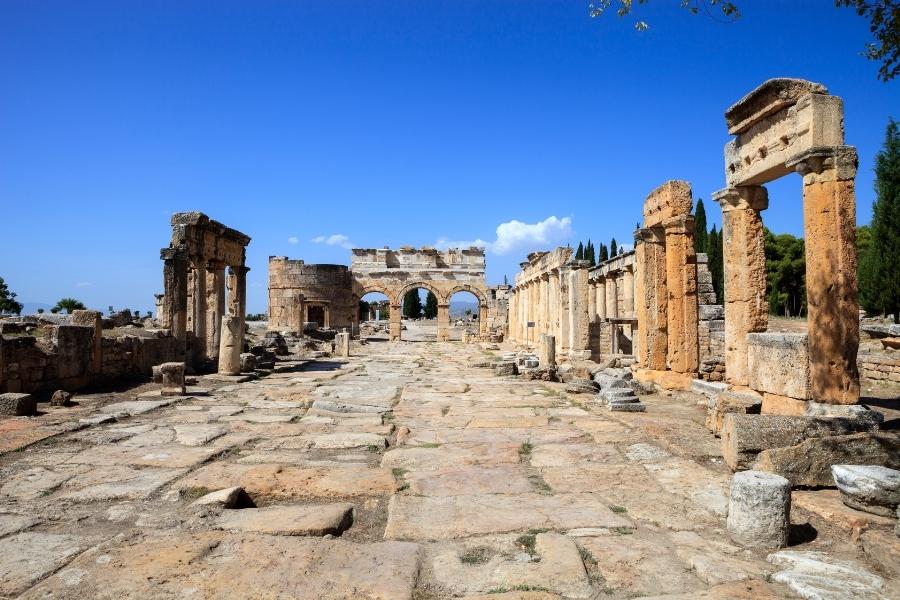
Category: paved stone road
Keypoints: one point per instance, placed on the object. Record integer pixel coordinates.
(401, 473)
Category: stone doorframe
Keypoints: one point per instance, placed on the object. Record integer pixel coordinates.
(784, 126)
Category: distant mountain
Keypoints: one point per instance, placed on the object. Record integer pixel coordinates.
(458, 308)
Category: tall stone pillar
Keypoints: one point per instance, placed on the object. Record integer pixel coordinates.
(443, 322)
(396, 324)
(652, 306)
(511, 315)
(553, 304)
(565, 288)
(229, 353)
(94, 320)
(612, 297)
(829, 223)
(215, 307)
(681, 280)
(198, 319)
(744, 266)
(628, 293)
(175, 281)
(579, 327)
(592, 301)
(601, 299)
(544, 304)
(482, 318)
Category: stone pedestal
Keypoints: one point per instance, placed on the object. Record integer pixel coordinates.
(172, 379)
(342, 344)
(396, 323)
(231, 342)
(759, 510)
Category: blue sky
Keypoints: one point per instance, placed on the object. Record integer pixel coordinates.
(381, 122)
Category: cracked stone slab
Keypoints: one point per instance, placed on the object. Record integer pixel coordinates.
(13, 523)
(171, 456)
(134, 407)
(29, 556)
(315, 520)
(442, 517)
(218, 564)
(117, 483)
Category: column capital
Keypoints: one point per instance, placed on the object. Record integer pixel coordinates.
(545, 276)
(744, 197)
(651, 235)
(682, 224)
(832, 163)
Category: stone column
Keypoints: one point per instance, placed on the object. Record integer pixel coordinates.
(829, 224)
(547, 351)
(744, 266)
(628, 293)
(443, 322)
(175, 281)
(565, 288)
(681, 280)
(482, 318)
(592, 301)
(601, 299)
(198, 319)
(395, 316)
(342, 344)
(553, 304)
(230, 346)
(579, 327)
(652, 306)
(215, 307)
(511, 315)
(612, 297)
(544, 304)
(237, 292)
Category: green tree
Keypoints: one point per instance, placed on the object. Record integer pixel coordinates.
(579, 254)
(8, 301)
(785, 274)
(883, 17)
(716, 264)
(613, 250)
(412, 304)
(701, 235)
(68, 305)
(589, 254)
(603, 255)
(431, 306)
(880, 265)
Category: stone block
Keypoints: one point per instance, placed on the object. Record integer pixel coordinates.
(172, 379)
(342, 344)
(505, 369)
(61, 398)
(778, 363)
(745, 403)
(744, 436)
(17, 405)
(868, 488)
(712, 312)
(248, 362)
(759, 510)
(809, 462)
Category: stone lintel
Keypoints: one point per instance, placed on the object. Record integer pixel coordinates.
(770, 97)
(578, 264)
(651, 235)
(829, 163)
(742, 197)
(671, 199)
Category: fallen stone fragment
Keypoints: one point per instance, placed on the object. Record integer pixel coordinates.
(815, 575)
(871, 489)
(744, 436)
(313, 520)
(226, 498)
(809, 463)
(731, 402)
(17, 405)
(172, 379)
(61, 398)
(506, 369)
(759, 510)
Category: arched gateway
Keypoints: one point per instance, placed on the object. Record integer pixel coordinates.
(391, 272)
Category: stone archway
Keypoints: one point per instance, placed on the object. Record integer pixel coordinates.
(443, 315)
(480, 295)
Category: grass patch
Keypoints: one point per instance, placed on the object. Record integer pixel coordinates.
(430, 445)
(538, 482)
(624, 530)
(586, 557)
(526, 542)
(618, 509)
(372, 448)
(398, 472)
(445, 410)
(194, 492)
(525, 449)
(476, 556)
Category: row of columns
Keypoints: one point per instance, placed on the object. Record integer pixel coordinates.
(603, 295)
(195, 296)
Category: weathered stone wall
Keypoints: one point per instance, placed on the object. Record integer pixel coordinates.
(300, 291)
(711, 325)
(70, 356)
(880, 367)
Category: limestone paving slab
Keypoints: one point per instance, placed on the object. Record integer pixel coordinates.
(442, 517)
(29, 556)
(316, 520)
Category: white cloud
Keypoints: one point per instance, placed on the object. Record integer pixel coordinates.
(83, 284)
(336, 239)
(293, 240)
(516, 236)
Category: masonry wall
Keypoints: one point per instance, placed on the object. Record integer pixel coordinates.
(880, 367)
(295, 287)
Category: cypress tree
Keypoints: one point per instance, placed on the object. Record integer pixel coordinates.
(701, 237)
(604, 253)
(431, 306)
(716, 265)
(579, 254)
(613, 251)
(589, 253)
(880, 265)
(412, 304)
